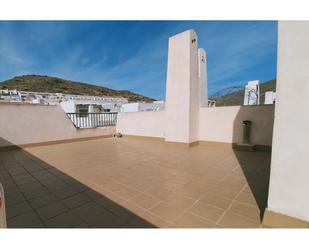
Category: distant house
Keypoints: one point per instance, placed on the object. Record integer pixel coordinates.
(10, 95)
(142, 106)
(92, 106)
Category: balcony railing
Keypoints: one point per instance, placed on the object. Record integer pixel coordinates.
(93, 120)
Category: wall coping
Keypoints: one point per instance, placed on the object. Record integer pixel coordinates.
(62, 141)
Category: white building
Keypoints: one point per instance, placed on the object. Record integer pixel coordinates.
(252, 93)
(56, 98)
(142, 106)
(91, 106)
(270, 98)
(10, 95)
(108, 103)
(91, 113)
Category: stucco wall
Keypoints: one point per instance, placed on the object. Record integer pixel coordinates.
(289, 185)
(25, 124)
(219, 124)
(182, 100)
(147, 123)
(224, 124)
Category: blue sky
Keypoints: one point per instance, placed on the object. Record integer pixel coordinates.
(132, 55)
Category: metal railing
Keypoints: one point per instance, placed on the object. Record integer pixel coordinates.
(93, 120)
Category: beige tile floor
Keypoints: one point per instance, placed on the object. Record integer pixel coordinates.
(208, 185)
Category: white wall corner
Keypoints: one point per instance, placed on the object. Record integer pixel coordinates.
(182, 88)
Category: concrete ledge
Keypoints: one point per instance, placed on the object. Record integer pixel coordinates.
(145, 137)
(277, 220)
(255, 147)
(184, 145)
(22, 146)
(263, 147)
(244, 147)
(251, 147)
(161, 139)
(213, 143)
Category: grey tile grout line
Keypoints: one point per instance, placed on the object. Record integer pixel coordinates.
(145, 210)
(244, 203)
(237, 214)
(245, 217)
(128, 200)
(58, 200)
(232, 202)
(211, 205)
(171, 223)
(158, 202)
(26, 199)
(184, 211)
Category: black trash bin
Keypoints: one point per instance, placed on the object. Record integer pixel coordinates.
(246, 124)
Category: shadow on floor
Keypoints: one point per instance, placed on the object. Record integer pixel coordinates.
(257, 175)
(255, 165)
(38, 195)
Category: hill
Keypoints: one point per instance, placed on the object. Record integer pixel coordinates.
(38, 83)
(237, 97)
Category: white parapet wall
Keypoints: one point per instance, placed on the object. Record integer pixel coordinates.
(218, 124)
(146, 123)
(22, 124)
(224, 124)
(289, 184)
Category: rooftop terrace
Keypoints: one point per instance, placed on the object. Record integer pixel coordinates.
(134, 182)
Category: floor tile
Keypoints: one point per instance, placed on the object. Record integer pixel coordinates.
(189, 220)
(126, 193)
(206, 211)
(76, 200)
(14, 199)
(155, 220)
(133, 208)
(35, 192)
(249, 211)
(166, 212)
(89, 211)
(65, 193)
(26, 220)
(246, 198)
(106, 220)
(143, 200)
(51, 210)
(179, 201)
(42, 200)
(18, 209)
(65, 220)
(231, 220)
(216, 200)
